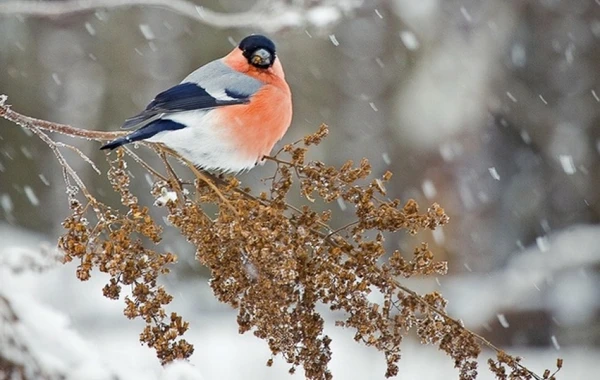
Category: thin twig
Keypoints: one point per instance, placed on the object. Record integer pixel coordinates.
(279, 161)
(143, 163)
(343, 228)
(283, 147)
(62, 161)
(200, 176)
(81, 154)
(30, 122)
(163, 156)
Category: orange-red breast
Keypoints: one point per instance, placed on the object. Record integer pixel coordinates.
(224, 116)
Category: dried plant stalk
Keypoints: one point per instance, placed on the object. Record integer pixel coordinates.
(272, 261)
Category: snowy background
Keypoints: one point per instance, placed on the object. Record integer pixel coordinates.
(491, 108)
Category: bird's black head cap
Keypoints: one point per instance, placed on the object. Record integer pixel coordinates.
(259, 50)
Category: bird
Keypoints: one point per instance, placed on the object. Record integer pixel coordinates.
(226, 115)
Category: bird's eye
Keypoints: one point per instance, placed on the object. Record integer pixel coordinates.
(261, 58)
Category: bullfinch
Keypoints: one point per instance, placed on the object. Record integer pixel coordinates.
(226, 115)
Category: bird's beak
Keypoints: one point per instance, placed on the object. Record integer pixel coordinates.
(261, 57)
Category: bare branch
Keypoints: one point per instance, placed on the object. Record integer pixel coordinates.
(63, 162)
(267, 15)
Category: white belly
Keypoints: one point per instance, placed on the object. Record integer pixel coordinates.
(203, 142)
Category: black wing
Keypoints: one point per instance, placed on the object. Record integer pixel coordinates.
(183, 97)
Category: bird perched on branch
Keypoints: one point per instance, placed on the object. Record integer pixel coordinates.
(224, 116)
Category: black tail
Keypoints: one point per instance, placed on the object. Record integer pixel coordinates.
(116, 143)
(143, 133)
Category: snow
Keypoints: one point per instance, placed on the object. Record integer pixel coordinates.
(574, 292)
(90, 29)
(48, 333)
(409, 40)
(44, 179)
(33, 199)
(525, 137)
(569, 53)
(503, 322)
(545, 225)
(532, 280)
(341, 204)
(323, 16)
(386, 158)
(466, 14)
(449, 150)
(71, 329)
(429, 189)
(511, 96)
(438, 235)
(147, 31)
(101, 15)
(181, 370)
(518, 55)
(6, 203)
(26, 152)
(494, 173)
(542, 243)
(149, 179)
(334, 40)
(232, 41)
(567, 164)
(41, 328)
(165, 197)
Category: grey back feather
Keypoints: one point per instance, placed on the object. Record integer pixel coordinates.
(216, 76)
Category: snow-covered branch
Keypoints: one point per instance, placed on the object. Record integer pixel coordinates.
(266, 15)
(32, 123)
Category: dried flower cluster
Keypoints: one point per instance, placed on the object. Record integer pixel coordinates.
(114, 244)
(506, 362)
(272, 261)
